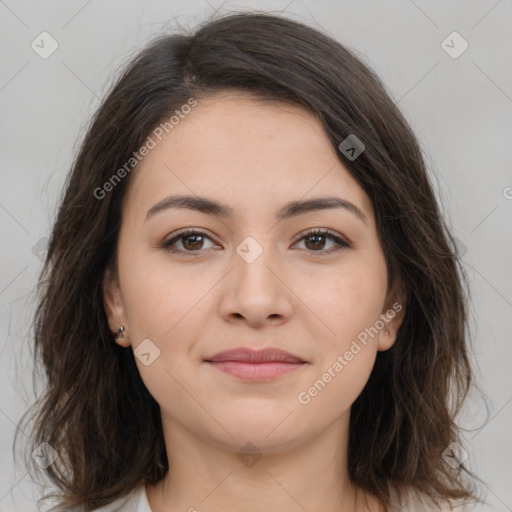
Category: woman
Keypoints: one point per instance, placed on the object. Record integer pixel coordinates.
(250, 298)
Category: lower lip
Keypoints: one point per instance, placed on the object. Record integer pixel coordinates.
(256, 371)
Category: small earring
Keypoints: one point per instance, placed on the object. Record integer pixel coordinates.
(388, 333)
(120, 332)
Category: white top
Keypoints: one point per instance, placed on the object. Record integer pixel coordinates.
(137, 501)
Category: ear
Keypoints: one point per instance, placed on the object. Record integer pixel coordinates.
(114, 307)
(392, 316)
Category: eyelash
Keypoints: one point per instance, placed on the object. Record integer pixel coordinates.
(341, 244)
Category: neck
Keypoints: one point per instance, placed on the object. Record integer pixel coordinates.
(209, 476)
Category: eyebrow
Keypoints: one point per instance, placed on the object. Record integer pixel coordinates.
(289, 210)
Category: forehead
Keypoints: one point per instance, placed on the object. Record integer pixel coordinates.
(245, 151)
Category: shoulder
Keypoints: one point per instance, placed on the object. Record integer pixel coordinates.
(134, 501)
(415, 501)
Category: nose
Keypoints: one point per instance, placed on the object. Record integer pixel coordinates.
(256, 289)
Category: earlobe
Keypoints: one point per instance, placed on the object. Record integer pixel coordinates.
(392, 315)
(387, 339)
(114, 309)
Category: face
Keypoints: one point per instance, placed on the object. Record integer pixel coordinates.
(251, 275)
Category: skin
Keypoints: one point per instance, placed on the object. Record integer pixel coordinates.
(254, 157)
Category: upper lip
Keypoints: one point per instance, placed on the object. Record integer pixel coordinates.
(249, 355)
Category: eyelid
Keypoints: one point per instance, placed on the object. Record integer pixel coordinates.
(341, 241)
(168, 241)
(324, 231)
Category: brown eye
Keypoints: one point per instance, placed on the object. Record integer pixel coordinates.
(193, 242)
(190, 240)
(315, 241)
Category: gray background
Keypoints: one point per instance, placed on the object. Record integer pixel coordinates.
(460, 108)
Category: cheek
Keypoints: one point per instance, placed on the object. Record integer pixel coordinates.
(157, 297)
(166, 309)
(350, 301)
(169, 307)
(337, 385)
(350, 306)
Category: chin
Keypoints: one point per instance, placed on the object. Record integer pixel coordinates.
(267, 431)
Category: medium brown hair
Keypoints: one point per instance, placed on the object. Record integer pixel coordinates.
(96, 411)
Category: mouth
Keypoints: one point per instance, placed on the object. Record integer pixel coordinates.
(256, 365)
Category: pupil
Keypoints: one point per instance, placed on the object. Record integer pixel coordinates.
(197, 240)
(316, 237)
(188, 237)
